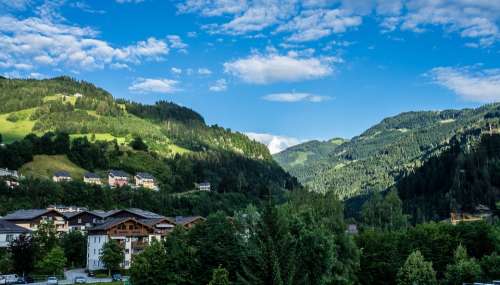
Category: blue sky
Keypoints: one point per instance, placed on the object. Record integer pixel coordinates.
(281, 71)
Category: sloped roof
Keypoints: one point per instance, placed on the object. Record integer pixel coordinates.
(98, 213)
(91, 175)
(62, 174)
(110, 223)
(139, 212)
(28, 214)
(7, 227)
(144, 175)
(118, 173)
(184, 220)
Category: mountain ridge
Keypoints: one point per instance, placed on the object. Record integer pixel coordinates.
(375, 159)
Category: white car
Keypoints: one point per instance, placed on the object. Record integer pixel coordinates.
(52, 281)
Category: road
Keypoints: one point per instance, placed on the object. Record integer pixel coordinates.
(70, 275)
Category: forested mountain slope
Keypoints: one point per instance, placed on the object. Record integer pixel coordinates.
(180, 148)
(374, 160)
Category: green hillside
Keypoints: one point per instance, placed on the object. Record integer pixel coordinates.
(374, 160)
(77, 120)
(46, 165)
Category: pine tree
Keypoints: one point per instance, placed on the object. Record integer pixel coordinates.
(416, 271)
(463, 270)
(220, 276)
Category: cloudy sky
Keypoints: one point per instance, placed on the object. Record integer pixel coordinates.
(283, 71)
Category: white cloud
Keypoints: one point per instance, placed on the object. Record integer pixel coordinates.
(274, 143)
(264, 69)
(46, 42)
(470, 83)
(315, 24)
(295, 97)
(313, 19)
(177, 43)
(15, 4)
(176, 70)
(219, 86)
(204, 71)
(152, 85)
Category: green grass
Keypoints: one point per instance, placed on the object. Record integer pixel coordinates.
(12, 131)
(100, 137)
(300, 158)
(44, 166)
(71, 99)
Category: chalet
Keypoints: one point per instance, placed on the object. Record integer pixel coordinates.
(61, 176)
(77, 95)
(132, 234)
(92, 178)
(9, 232)
(117, 178)
(84, 220)
(146, 180)
(204, 186)
(31, 219)
(187, 222)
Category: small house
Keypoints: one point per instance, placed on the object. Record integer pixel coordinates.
(117, 178)
(10, 232)
(77, 95)
(4, 172)
(32, 218)
(204, 186)
(146, 180)
(92, 178)
(61, 176)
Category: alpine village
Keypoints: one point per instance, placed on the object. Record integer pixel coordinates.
(364, 146)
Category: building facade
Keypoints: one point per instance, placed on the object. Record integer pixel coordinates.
(117, 178)
(145, 180)
(133, 236)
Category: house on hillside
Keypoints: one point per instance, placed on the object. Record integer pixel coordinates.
(480, 213)
(92, 178)
(204, 186)
(146, 180)
(5, 172)
(31, 219)
(117, 178)
(10, 232)
(132, 234)
(61, 176)
(77, 95)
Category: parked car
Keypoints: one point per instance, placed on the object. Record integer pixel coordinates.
(90, 273)
(52, 281)
(116, 277)
(80, 280)
(8, 279)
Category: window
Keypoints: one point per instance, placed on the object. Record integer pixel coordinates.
(79, 220)
(9, 238)
(131, 227)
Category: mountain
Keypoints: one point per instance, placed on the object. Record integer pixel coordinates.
(377, 158)
(180, 149)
